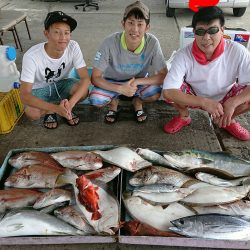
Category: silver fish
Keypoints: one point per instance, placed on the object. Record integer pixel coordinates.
(124, 158)
(51, 208)
(218, 163)
(152, 156)
(164, 198)
(51, 197)
(80, 160)
(156, 188)
(238, 208)
(214, 180)
(215, 195)
(34, 176)
(155, 216)
(213, 226)
(17, 198)
(75, 218)
(104, 174)
(159, 175)
(33, 222)
(31, 158)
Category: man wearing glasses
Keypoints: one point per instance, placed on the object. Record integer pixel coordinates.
(212, 74)
(46, 89)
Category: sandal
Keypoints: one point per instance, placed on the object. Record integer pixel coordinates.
(236, 130)
(74, 121)
(139, 114)
(50, 119)
(111, 114)
(176, 124)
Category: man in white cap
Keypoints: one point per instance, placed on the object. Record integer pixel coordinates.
(123, 63)
(46, 89)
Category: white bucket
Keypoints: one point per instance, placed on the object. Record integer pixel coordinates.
(8, 70)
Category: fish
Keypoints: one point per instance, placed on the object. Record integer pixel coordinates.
(17, 198)
(156, 216)
(153, 157)
(34, 176)
(104, 174)
(137, 228)
(212, 226)
(75, 218)
(125, 158)
(215, 195)
(156, 188)
(237, 208)
(51, 197)
(79, 160)
(214, 180)
(219, 163)
(33, 158)
(159, 175)
(51, 208)
(108, 206)
(88, 196)
(33, 222)
(164, 198)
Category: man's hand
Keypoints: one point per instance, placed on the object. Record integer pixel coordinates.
(214, 108)
(129, 88)
(229, 109)
(64, 109)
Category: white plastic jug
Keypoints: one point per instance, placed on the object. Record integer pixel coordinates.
(9, 75)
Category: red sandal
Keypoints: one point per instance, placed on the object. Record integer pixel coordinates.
(176, 124)
(236, 130)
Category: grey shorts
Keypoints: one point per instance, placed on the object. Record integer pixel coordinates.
(54, 94)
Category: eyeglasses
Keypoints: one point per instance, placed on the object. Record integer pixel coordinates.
(210, 31)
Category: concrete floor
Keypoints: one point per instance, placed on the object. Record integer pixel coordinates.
(93, 26)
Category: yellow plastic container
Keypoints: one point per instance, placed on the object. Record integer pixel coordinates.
(11, 109)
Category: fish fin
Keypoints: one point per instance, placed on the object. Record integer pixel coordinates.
(14, 227)
(68, 177)
(96, 215)
(205, 161)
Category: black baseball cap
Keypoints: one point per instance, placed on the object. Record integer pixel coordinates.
(59, 16)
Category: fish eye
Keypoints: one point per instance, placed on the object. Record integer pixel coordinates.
(181, 221)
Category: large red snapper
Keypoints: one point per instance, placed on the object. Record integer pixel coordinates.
(32, 157)
(80, 160)
(17, 198)
(34, 176)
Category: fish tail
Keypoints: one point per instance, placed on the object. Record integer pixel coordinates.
(96, 215)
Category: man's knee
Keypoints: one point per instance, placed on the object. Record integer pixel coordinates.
(152, 98)
(98, 102)
(33, 114)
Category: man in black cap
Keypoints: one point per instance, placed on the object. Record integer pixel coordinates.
(46, 89)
